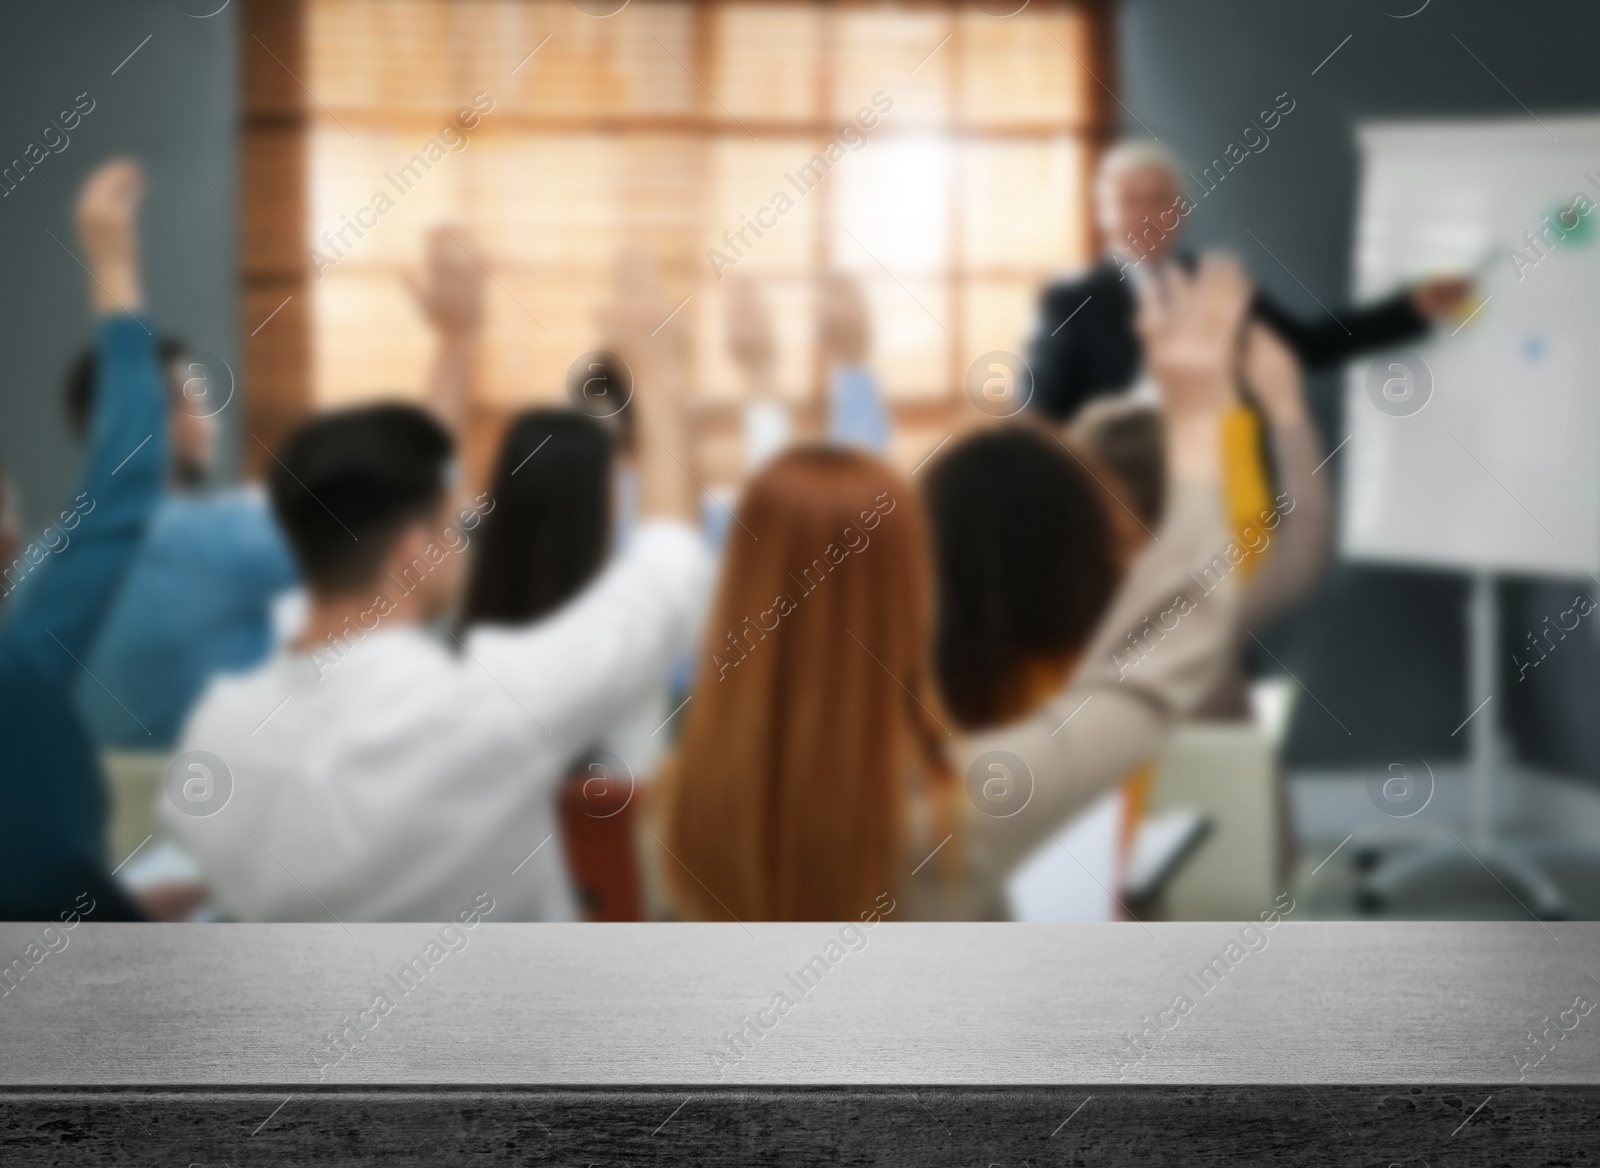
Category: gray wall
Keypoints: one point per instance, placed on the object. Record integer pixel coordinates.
(1381, 648)
(174, 106)
(1196, 72)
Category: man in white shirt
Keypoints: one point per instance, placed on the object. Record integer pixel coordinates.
(376, 771)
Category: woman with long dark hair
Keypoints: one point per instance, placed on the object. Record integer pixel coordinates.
(548, 532)
(1029, 545)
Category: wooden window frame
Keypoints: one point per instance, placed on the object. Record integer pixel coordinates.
(276, 301)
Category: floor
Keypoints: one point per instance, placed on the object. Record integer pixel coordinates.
(1346, 840)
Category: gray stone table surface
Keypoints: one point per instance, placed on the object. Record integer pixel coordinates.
(634, 1006)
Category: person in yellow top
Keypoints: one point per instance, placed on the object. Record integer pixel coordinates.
(1284, 535)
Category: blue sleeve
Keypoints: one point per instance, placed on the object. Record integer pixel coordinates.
(266, 563)
(856, 413)
(278, 566)
(92, 544)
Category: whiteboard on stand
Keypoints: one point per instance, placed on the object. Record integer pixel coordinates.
(1499, 470)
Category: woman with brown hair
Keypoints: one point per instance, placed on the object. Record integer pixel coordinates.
(818, 771)
(812, 715)
(1030, 541)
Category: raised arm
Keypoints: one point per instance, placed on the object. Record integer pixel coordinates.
(450, 297)
(1160, 647)
(616, 640)
(651, 336)
(1300, 520)
(750, 341)
(856, 412)
(58, 616)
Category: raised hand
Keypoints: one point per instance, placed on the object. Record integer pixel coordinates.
(642, 324)
(842, 323)
(1273, 374)
(1190, 325)
(750, 340)
(450, 296)
(646, 328)
(107, 218)
(450, 293)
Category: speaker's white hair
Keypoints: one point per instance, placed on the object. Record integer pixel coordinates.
(1137, 154)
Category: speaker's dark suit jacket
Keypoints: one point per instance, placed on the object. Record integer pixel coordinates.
(1095, 353)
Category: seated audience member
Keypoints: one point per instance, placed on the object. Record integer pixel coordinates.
(198, 599)
(1289, 540)
(1085, 345)
(768, 421)
(1028, 551)
(1124, 435)
(549, 532)
(539, 543)
(857, 415)
(380, 773)
(52, 833)
(855, 412)
(214, 588)
(600, 390)
(816, 773)
(777, 799)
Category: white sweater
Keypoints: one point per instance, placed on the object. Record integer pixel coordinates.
(415, 774)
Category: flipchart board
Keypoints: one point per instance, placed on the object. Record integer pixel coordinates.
(1479, 448)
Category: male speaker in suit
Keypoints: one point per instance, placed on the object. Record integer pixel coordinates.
(1085, 345)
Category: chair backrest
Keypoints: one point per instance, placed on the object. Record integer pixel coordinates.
(1227, 771)
(597, 831)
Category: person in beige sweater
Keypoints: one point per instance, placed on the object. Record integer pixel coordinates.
(1294, 540)
(818, 774)
(1291, 541)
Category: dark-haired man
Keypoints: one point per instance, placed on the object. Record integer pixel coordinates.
(377, 771)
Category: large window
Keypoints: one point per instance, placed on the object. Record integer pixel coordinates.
(954, 183)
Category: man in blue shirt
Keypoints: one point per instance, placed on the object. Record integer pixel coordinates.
(51, 786)
(198, 599)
